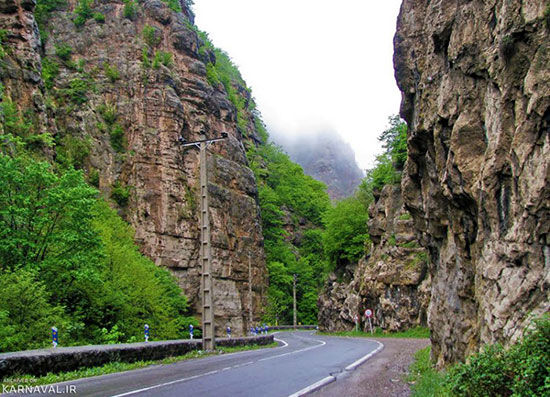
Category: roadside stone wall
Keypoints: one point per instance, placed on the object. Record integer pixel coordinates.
(60, 359)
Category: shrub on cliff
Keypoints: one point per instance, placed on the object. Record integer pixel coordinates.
(388, 165)
(521, 370)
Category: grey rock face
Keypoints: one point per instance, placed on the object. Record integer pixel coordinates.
(474, 79)
(154, 106)
(392, 279)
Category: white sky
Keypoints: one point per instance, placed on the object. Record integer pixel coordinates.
(313, 64)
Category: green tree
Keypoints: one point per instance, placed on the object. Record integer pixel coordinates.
(44, 217)
(26, 315)
(94, 285)
(394, 141)
(285, 193)
(346, 232)
(145, 292)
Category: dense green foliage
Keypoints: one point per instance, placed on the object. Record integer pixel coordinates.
(67, 259)
(346, 232)
(224, 71)
(288, 195)
(521, 370)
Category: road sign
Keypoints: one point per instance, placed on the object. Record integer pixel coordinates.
(368, 313)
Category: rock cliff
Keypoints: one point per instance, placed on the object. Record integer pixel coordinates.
(475, 94)
(116, 89)
(327, 158)
(392, 279)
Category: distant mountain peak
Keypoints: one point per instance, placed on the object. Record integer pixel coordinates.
(326, 157)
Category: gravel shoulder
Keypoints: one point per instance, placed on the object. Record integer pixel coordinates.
(382, 375)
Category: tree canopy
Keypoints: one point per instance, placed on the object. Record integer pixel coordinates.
(68, 260)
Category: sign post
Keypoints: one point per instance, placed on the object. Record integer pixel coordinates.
(54, 337)
(356, 318)
(368, 315)
(146, 332)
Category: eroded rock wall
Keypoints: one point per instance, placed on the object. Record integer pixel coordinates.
(21, 63)
(474, 77)
(108, 83)
(392, 279)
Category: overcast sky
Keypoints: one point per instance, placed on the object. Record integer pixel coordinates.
(313, 65)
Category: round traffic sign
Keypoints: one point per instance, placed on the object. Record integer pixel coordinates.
(368, 313)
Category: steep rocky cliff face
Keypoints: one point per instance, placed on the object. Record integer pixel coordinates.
(327, 158)
(392, 279)
(115, 102)
(20, 72)
(474, 80)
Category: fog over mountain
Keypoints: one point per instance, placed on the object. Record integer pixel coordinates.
(326, 157)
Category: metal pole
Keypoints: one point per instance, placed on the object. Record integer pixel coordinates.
(294, 299)
(208, 340)
(250, 291)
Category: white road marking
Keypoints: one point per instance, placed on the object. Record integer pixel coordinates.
(165, 384)
(302, 392)
(201, 375)
(282, 341)
(313, 387)
(357, 363)
(243, 365)
(329, 379)
(322, 343)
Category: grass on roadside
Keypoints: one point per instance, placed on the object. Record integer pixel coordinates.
(109, 368)
(424, 379)
(417, 332)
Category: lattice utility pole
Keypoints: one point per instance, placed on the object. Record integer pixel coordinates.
(207, 293)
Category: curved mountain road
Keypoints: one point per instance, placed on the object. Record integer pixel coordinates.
(302, 362)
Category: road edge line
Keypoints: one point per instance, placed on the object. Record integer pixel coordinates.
(357, 363)
(316, 386)
(280, 340)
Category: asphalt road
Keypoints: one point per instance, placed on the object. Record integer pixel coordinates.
(302, 360)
